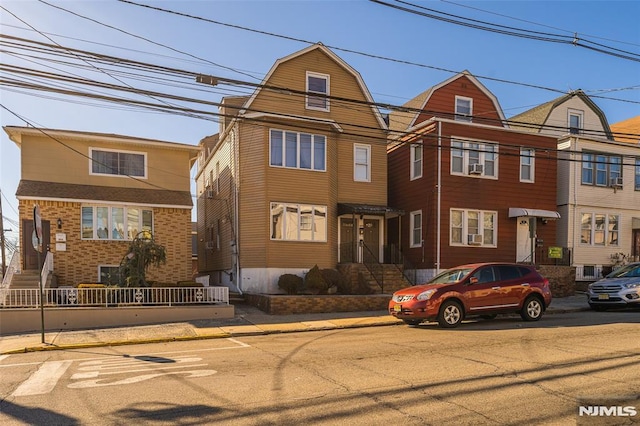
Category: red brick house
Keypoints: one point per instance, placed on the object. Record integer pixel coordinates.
(473, 189)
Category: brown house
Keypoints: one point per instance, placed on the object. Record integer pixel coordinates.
(474, 190)
(295, 178)
(95, 192)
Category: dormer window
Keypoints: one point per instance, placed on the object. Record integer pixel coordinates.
(317, 84)
(464, 109)
(575, 122)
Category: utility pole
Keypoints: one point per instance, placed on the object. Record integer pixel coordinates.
(4, 257)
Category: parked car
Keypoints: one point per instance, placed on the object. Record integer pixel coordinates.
(484, 289)
(619, 289)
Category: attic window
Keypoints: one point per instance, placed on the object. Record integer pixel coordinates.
(317, 84)
(464, 108)
(575, 122)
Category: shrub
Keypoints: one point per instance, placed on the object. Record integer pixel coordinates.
(335, 279)
(362, 286)
(290, 283)
(314, 282)
(88, 297)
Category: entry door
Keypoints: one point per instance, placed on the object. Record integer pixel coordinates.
(523, 240)
(636, 245)
(30, 255)
(347, 240)
(372, 237)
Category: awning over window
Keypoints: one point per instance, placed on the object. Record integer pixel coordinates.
(521, 212)
(349, 208)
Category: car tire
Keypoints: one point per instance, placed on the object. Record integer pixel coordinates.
(450, 315)
(412, 322)
(532, 309)
(489, 316)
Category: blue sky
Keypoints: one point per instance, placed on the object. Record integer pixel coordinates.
(424, 52)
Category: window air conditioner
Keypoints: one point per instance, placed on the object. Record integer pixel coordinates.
(474, 239)
(616, 182)
(209, 245)
(210, 193)
(476, 169)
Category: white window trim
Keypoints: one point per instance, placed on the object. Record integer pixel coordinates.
(532, 156)
(299, 222)
(417, 175)
(310, 94)
(92, 173)
(284, 147)
(592, 242)
(465, 158)
(94, 208)
(357, 146)
(578, 113)
(412, 243)
(460, 116)
(465, 228)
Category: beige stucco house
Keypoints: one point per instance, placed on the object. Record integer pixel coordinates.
(95, 192)
(296, 177)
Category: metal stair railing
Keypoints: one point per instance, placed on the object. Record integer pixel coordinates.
(397, 258)
(373, 265)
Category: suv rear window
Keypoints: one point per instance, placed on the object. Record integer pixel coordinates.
(508, 272)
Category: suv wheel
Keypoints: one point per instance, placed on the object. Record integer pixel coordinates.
(532, 309)
(450, 315)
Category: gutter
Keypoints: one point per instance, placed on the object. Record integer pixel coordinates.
(439, 192)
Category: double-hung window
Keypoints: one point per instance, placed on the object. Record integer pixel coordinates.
(117, 163)
(575, 121)
(599, 229)
(297, 150)
(464, 109)
(637, 178)
(474, 158)
(473, 227)
(416, 161)
(317, 91)
(416, 229)
(362, 163)
(601, 169)
(298, 222)
(527, 163)
(115, 223)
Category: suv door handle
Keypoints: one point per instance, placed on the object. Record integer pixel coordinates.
(495, 288)
(525, 285)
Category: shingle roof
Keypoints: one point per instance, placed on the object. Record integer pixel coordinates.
(68, 191)
(630, 125)
(399, 121)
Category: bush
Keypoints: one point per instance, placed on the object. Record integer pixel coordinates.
(362, 286)
(88, 296)
(314, 282)
(290, 283)
(335, 279)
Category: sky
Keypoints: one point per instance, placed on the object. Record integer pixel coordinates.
(399, 55)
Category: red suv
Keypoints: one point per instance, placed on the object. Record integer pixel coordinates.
(484, 289)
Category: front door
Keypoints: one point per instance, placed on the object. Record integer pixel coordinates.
(372, 237)
(30, 255)
(523, 240)
(347, 240)
(636, 245)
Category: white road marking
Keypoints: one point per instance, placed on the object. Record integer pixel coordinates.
(44, 379)
(3, 357)
(92, 374)
(136, 379)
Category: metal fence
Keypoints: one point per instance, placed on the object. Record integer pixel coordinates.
(115, 297)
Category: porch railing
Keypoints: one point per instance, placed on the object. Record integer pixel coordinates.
(393, 254)
(373, 265)
(116, 297)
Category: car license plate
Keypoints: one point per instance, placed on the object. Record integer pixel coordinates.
(397, 308)
(603, 297)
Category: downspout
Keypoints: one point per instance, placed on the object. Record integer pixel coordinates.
(236, 212)
(575, 199)
(439, 192)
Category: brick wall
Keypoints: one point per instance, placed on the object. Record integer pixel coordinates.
(307, 304)
(78, 263)
(562, 279)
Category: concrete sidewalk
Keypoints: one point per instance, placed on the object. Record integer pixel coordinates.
(248, 321)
